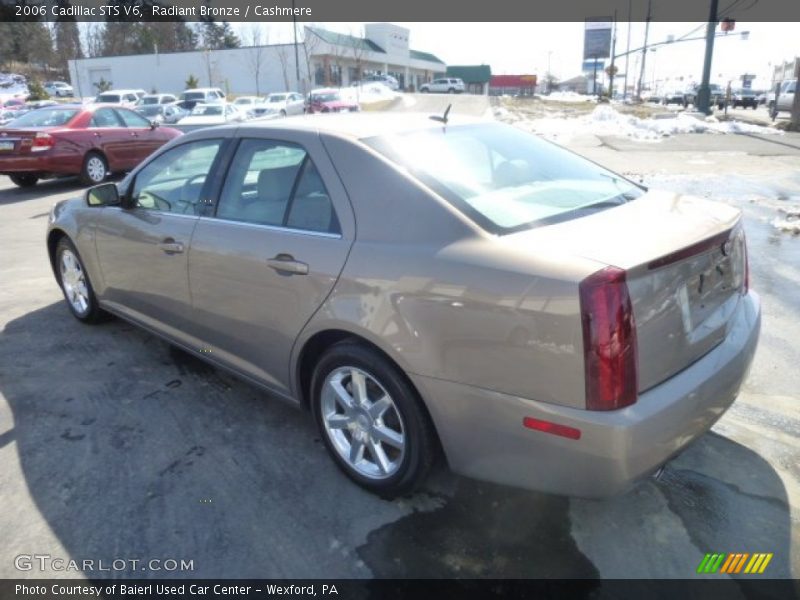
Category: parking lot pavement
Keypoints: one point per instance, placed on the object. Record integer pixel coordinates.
(113, 445)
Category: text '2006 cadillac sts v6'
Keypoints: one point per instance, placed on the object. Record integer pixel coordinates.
(421, 286)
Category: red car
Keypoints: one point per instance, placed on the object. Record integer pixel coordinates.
(329, 100)
(89, 141)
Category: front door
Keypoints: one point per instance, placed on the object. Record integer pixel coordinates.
(143, 247)
(267, 260)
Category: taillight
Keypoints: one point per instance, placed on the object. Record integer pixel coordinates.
(42, 141)
(609, 340)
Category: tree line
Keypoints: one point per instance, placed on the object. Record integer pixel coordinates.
(51, 45)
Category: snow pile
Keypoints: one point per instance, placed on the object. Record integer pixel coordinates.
(790, 222)
(569, 97)
(605, 121)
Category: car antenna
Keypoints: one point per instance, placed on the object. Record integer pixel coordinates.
(443, 118)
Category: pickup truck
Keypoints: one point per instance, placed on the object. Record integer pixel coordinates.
(783, 99)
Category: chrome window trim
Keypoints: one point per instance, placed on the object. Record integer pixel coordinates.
(278, 228)
(153, 211)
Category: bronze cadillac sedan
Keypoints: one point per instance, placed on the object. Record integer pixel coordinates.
(426, 288)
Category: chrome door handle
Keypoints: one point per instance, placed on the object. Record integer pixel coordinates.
(285, 263)
(170, 246)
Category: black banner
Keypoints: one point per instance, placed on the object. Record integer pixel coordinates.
(385, 10)
(390, 589)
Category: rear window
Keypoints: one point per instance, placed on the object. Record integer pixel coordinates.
(150, 100)
(108, 98)
(194, 96)
(45, 117)
(503, 178)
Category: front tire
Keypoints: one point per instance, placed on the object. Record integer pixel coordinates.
(94, 170)
(75, 284)
(371, 420)
(23, 180)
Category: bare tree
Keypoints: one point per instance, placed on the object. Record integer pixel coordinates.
(256, 37)
(311, 45)
(358, 52)
(284, 53)
(93, 35)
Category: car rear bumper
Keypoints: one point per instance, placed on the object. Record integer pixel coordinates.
(483, 435)
(46, 162)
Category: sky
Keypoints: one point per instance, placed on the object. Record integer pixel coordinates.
(523, 48)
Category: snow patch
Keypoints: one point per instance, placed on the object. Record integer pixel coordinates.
(606, 121)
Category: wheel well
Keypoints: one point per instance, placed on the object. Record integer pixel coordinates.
(52, 242)
(98, 153)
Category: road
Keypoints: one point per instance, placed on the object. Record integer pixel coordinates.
(113, 445)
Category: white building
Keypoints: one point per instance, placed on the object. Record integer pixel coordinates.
(323, 58)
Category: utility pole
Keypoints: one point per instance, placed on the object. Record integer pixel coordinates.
(627, 53)
(296, 55)
(644, 50)
(703, 100)
(612, 71)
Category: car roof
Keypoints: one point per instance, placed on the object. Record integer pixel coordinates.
(361, 125)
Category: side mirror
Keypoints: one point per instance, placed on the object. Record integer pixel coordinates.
(105, 194)
(153, 124)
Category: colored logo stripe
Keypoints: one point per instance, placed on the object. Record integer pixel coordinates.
(735, 562)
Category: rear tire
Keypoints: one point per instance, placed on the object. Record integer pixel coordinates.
(74, 282)
(371, 420)
(94, 169)
(24, 181)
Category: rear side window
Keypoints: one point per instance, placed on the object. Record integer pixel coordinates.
(276, 183)
(503, 178)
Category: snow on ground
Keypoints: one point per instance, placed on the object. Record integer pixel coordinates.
(569, 97)
(15, 91)
(606, 121)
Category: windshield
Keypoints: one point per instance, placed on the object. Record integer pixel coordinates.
(108, 98)
(503, 178)
(45, 117)
(207, 111)
(277, 98)
(327, 97)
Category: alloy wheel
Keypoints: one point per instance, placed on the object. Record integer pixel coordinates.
(73, 280)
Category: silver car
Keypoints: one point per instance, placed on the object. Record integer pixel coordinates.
(427, 287)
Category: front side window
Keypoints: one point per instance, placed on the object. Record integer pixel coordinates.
(503, 178)
(131, 119)
(174, 181)
(276, 183)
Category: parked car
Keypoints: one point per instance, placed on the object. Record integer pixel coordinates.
(386, 80)
(784, 99)
(546, 322)
(128, 98)
(162, 113)
(673, 97)
(14, 103)
(446, 85)
(59, 89)
(745, 98)
(717, 95)
(70, 139)
(192, 97)
(325, 100)
(7, 116)
(151, 99)
(212, 114)
(282, 104)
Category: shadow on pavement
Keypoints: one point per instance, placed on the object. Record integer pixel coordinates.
(131, 449)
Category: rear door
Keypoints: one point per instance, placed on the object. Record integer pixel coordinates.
(143, 247)
(266, 261)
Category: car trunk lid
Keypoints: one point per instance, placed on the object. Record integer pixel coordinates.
(684, 262)
(14, 142)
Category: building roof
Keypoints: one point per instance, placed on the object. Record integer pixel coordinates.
(350, 41)
(471, 73)
(342, 39)
(416, 54)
